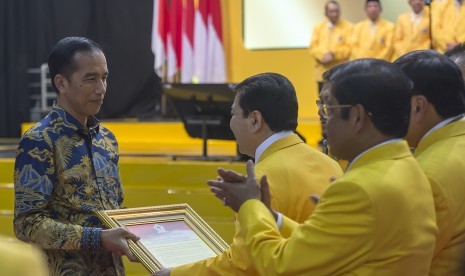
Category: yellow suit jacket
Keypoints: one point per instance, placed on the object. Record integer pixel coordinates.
(440, 155)
(408, 38)
(460, 26)
(294, 171)
(377, 219)
(324, 40)
(444, 19)
(366, 45)
(21, 259)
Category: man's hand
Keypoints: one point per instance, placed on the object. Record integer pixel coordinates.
(230, 176)
(451, 45)
(236, 193)
(163, 272)
(266, 196)
(328, 57)
(114, 240)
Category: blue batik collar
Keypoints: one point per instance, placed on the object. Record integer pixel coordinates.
(71, 124)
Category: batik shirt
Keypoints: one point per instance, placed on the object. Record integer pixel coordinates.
(64, 173)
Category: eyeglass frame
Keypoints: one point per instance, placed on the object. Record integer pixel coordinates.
(325, 107)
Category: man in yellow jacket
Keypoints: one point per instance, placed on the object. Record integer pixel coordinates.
(459, 34)
(437, 131)
(330, 41)
(21, 259)
(372, 37)
(377, 219)
(446, 15)
(441, 22)
(457, 55)
(264, 118)
(412, 30)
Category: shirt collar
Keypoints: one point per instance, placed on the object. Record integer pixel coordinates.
(269, 141)
(391, 141)
(415, 17)
(72, 124)
(441, 124)
(331, 24)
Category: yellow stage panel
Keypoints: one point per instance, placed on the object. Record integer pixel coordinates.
(170, 138)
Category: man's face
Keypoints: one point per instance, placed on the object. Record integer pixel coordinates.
(417, 5)
(333, 12)
(338, 130)
(373, 10)
(84, 90)
(240, 126)
(324, 97)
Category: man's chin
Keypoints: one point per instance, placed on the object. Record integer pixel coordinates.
(95, 111)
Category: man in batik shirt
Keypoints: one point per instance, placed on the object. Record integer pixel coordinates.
(67, 169)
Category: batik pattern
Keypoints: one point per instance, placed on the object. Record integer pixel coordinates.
(64, 173)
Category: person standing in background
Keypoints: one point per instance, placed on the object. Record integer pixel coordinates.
(459, 28)
(330, 45)
(330, 41)
(412, 30)
(457, 55)
(372, 37)
(444, 20)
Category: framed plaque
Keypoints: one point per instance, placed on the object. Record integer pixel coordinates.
(170, 235)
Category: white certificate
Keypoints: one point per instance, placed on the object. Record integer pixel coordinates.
(173, 243)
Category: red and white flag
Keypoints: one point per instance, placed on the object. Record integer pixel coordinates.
(200, 41)
(188, 38)
(159, 33)
(216, 71)
(187, 70)
(174, 42)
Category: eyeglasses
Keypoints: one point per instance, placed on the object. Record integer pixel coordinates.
(325, 108)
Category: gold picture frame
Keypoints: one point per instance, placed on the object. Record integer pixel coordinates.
(171, 235)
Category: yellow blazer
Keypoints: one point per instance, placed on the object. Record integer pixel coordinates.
(21, 259)
(444, 19)
(325, 40)
(379, 46)
(407, 38)
(377, 219)
(294, 171)
(460, 26)
(440, 155)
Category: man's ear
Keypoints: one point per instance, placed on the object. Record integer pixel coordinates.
(358, 117)
(256, 120)
(60, 82)
(419, 105)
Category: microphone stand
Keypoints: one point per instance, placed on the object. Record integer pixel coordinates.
(428, 3)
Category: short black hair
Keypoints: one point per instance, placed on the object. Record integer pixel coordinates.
(378, 1)
(332, 2)
(273, 95)
(328, 73)
(380, 87)
(457, 54)
(61, 57)
(437, 78)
